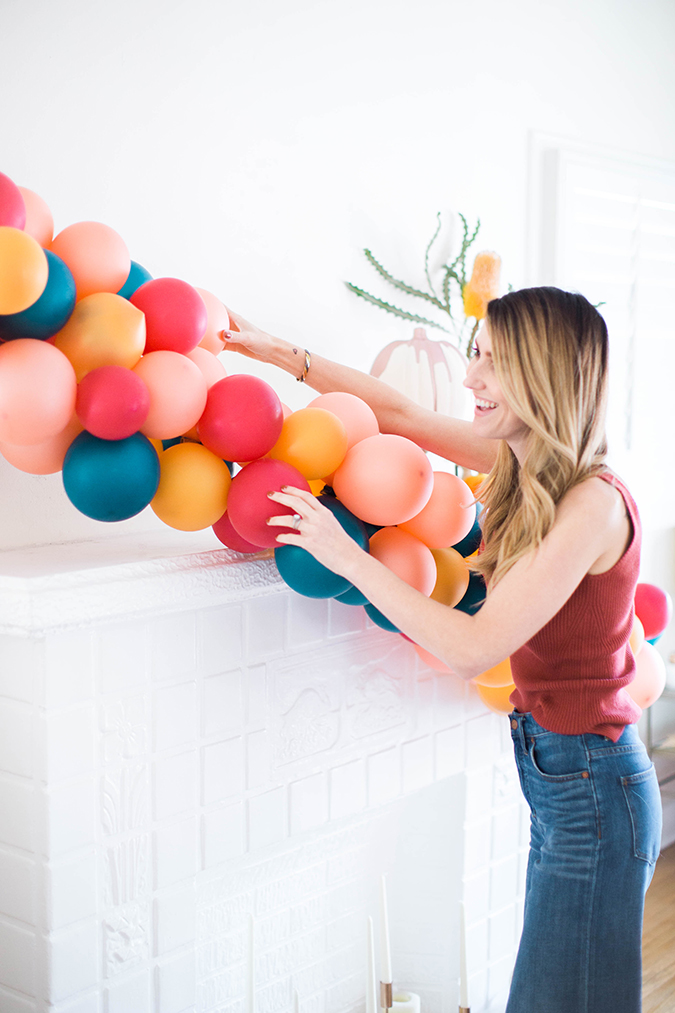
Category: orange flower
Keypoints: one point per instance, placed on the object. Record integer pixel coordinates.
(483, 284)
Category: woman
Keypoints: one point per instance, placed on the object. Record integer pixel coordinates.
(560, 557)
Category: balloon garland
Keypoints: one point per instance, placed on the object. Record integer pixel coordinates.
(111, 377)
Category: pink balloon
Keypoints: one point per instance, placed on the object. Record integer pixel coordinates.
(431, 660)
(650, 676)
(39, 219)
(249, 506)
(42, 458)
(96, 255)
(12, 206)
(211, 367)
(112, 402)
(175, 314)
(384, 479)
(407, 556)
(448, 516)
(230, 537)
(37, 391)
(218, 320)
(358, 418)
(177, 394)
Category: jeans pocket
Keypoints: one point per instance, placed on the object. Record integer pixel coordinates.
(553, 764)
(643, 799)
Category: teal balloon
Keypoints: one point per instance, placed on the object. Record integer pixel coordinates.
(468, 545)
(352, 596)
(474, 596)
(110, 480)
(379, 619)
(137, 276)
(654, 640)
(50, 312)
(304, 574)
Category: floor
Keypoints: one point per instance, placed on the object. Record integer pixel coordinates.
(658, 939)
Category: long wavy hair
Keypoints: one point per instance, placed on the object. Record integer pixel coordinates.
(550, 354)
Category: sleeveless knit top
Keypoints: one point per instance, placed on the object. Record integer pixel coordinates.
(571, 675)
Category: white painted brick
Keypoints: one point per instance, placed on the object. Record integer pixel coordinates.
(266, 626)
(525, 824)
(504, 883)
(71, 812)
(125, 798)
(69, 668)
(17, 813)
(176, 984)
(74, 964)
(308, 803)
(307, 621)
(426, 700)
(223, 834)
(506, 832)
(481, 739)
(72, 890)
(70, 743)
(502, 930)
(418, 763)
(478, 989)
(258, 759)
(16, 739)
(175, 785)
(479, 784)
(477, 895)
(345, 619)
(173, 650)
(174, 919)
(175, 715)
(255, 680)
(89, 1003)
(219, 639)
(267, 819)
(133, 995)
(384, 777)
(12, 1003)
(18, 950)
(523, 858)
(449, 745)
(223, 774)
(21, 663)
(18, 879)
(476, 846)
(123, 656)
(125, 728)
(499, 979)
(176, 851)
(222, 702)
(476, 946)
(347, 789)
(450, 695)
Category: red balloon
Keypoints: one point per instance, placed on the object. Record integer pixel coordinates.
(231, 538)
(112, 402)
(12, 204)
(243, 418)
(653, 607)
(249, 506)
(175, 315)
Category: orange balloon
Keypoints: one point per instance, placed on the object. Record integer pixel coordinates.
(452, 577)
(211, 367)
(193, 487)
(358, 418)
(384, 479)
(103, 330)
(313, 440)
(37, 391)
(218, 319)
(23, 270)
(497, 676)
(96, 255)
(42, 458)
(431, 660)
(316, 485)
(650, 676)
(473, 481)
(39, 219)
(496, 698)
(409, 558)
(177, 394)
(447, 517)
(637, 637)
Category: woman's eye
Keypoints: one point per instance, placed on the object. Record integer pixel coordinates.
(474, 352)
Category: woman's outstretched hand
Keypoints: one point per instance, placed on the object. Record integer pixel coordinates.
(247, 339)
(317, 531)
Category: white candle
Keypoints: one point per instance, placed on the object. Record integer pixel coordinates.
(463, 980)
(371, 977)
(406, 1002)
(251, 968)
(384, 938)
(296, 1001)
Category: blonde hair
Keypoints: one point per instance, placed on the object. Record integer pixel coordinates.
(550, 352)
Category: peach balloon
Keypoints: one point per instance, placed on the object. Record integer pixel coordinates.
(218, 319)
(24, 270)
(193, 487)
(448, 516)
(431, 660)
(312, 440)
(496, 698)
(39, 219)
(497, 676)
(650, 676)
(637, 636)
(384, 479)
(42, 458)
(286, 410)
(409, 558)
(103, 330)
(96, 255)
(177, 394)
(358, 418)
(452, 576)
(37, 391)
(211, 367)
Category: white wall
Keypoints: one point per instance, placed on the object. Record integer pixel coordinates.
(253, 149)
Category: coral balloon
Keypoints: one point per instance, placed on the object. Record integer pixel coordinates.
(177, 394)
(12, 205)
(175, 314)
(110, 480)
(249, 505)
(637, 636)
(37, 391)
(104, 330)
(42, 458)
(39, 219)
(112, 402)
(650, 677)
(452, 578)
(211, 367)
(496, 698)
(242, 419)
(431, 660)
(654, 608)
(358, 418)
(224, 531)
(448, 516)
(409, 558)
(218, 319)
(313, 440)
(138, 275)
(193, 487)
(498, 675)
(384, 480)
(23, 270)
(50, 312)
(97, 256)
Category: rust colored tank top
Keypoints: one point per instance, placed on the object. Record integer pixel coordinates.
(572, 674)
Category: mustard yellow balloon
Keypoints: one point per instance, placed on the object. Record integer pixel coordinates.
(104, 330)
(24, 270)
(497, 697)
(193, 487)
(498, 676)
(453, 577)
(313, 440)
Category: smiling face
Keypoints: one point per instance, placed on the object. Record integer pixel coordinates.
(493, 418)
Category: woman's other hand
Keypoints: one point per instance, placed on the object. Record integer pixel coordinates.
(317, 530)
(247, 339)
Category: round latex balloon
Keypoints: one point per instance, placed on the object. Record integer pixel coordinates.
(42, 458)
(650, 677)
(97, 256)
(468, 545)
(218, 319)
(352, 597)
(452, 577)
(498, 675)
(409, 558)
(51, 310)
(23, 270)
(473, 482)
(430, 659)
(384, 479)
(304, 574)
(224, 531)
(474, 596)
(496, 698)
(37, 391)
(110, 480)
(193, 487)
(249, 505)
(175, 314)
(12, 205)
(447, 517)
(137, 276)
(242, 419)
(654, 608)
(380, 619)
(177, 394)
(313, 440)
(637, 636)
(39, 219)
(357, 417)
(112, 402)
(104, 330)
(211, 367)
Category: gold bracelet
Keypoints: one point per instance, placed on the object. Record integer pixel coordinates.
(308, 363)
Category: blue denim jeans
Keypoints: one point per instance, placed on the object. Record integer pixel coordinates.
(595, 833)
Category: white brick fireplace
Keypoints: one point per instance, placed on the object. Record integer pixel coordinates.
(185, 742)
